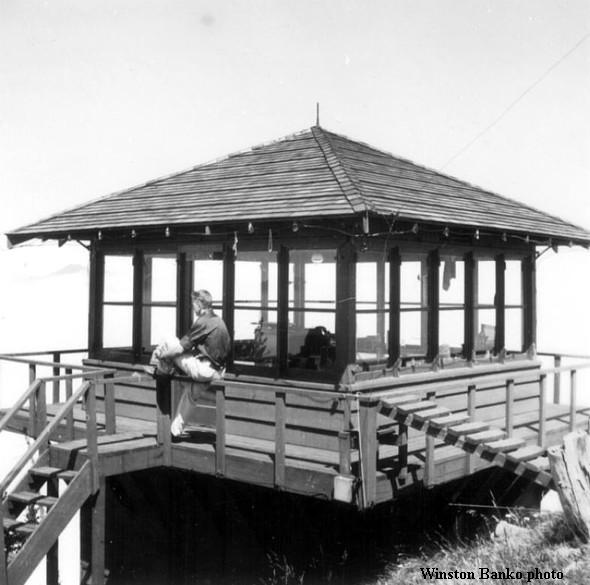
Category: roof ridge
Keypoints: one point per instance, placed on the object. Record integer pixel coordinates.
(348, 186)
(454, 178)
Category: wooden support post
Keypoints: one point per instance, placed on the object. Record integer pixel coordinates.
(280, 423)
(380, 287)
(433, 263)
(56, 369)
(283, 310)
(95, 301)
(91, 433)
(500, 304)
(70, 415)
(52, 564)
(345, 307)
(509, 408)
(146, 298)
(556, 380)
(344, 466)
(395, 262)
(429, 462)
(573, 399)
(529, 296)
(32, 401)
(542, 409)
(98, 534)
(470, 299)
(403, 452)
(137, 304)
(184, 285)
(368, 451)
(471, 406)
(110, 414)
(164, 390)
(299, 291)
(220, 430)
(229, 268)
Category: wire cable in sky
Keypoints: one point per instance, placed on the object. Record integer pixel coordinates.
(522, 95)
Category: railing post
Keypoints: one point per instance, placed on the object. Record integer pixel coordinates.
(91, 433)
(41, 410)
(557, 380)
(573, 399)
(32, 373)
(344, 439)
(509, 427)
(402, 450)
(429, 462)
(471, 406)
(542, 410)
(280, 416)
(220, 429)
(70, 415)
(32, 401)
(110, 415)
(56, 360)
(368, 450)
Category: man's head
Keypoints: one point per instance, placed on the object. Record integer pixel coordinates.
(202, 301)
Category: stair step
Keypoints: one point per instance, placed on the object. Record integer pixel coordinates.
(10, 523)
(470, 427)
(67, 475)
(397, 400)
(452, 419)
(527, 453)
(25, 497)
(486, 436)
(26, 529)
(541, 463)
(412, 407)
(46, 501)
(46, 471)
(505, 445)
(431, 413)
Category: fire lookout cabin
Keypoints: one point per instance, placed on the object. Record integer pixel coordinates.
(383, 323)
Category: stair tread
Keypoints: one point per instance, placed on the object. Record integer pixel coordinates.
(505, 445)
(541, 463)
(26, 529)
(452, 419)
(47, 501)
(412, 407)
(528, 452)
(431, 413)
(67, 474)
(25, 497)
(470, 427)
(486, 436)
(402, 399)
(10, 523)
(45, 471)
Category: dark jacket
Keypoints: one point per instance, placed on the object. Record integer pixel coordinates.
(209, 337)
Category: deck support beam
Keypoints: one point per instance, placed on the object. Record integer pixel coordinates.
(368, 451)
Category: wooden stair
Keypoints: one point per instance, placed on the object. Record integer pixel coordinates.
(37, 519)
(474, 437)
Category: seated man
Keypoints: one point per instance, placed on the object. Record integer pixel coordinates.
(200, 354)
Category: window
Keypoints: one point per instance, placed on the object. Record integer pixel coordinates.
(413, 306)
(117, 323)
(372, 307)
(208, 274)
(451, 305)
(514, 306)
(158, 300)
(312, 309)
(485, 310)
(255, 309)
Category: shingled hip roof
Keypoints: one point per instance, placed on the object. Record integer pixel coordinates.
(314, 173)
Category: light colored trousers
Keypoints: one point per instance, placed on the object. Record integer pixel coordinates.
(169, 354)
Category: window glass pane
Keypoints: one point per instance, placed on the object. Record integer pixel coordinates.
(256, 279)
(513, 282)
(413, 278)
(160, 279)
(486, 282)
(117, 326)
(255, 340)
(485, 337)
(208, 275)
(162, 323)
(451, 332)
(371, 337)
(452, 282)
(514, 329)
(118, 278)
(311, 337)
(413, 333)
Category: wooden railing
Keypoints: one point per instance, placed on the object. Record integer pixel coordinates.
(369, 406)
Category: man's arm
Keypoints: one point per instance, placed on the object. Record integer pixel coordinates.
(196, 334)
